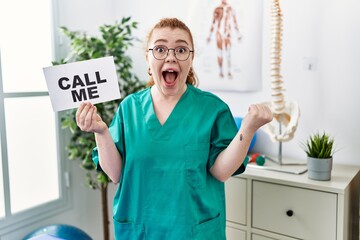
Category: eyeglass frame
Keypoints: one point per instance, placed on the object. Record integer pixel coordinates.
(168, 50)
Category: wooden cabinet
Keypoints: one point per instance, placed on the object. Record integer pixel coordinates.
(233, 233)
(268, 205)
(235, 197)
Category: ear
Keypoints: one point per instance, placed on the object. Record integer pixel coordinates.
(147, 61)
(147, 57)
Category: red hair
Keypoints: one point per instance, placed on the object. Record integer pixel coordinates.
(173, 23)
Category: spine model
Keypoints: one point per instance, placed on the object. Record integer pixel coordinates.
(277, 96)
(286, 114)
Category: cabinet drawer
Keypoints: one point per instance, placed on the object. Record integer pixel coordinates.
(235, 189)
(235, 234)
(295, 212)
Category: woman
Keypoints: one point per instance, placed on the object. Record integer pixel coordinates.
(171, 146)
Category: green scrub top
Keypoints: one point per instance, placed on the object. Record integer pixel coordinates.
(166, 190)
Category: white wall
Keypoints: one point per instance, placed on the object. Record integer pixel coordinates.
(327, 30)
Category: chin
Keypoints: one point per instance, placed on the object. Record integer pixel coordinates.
(173, 90)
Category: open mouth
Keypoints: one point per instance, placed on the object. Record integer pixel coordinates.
(170, 76)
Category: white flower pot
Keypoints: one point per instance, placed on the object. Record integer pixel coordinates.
(319, 168)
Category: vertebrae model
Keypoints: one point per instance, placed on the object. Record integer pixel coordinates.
(286, 114)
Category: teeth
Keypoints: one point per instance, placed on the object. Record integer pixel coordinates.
(170, 71)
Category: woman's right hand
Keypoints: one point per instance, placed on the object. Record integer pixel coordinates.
(88, 120)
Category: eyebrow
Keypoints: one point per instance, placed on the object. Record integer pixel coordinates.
(177, 41)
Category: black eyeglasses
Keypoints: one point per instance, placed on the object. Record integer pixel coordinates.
(161, 52)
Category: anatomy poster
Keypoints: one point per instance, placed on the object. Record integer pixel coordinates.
(228, 42)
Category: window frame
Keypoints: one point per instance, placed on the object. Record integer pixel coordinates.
(11, 222)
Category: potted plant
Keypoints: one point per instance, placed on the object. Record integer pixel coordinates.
(113, 40)
(319, 149)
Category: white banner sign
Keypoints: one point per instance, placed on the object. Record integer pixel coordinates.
(92, 81)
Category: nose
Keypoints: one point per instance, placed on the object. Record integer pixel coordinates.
(170, 56)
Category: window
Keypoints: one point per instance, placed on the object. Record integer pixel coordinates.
(30, 169)
(2, 205)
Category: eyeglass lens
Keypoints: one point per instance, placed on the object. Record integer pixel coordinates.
(161, 52)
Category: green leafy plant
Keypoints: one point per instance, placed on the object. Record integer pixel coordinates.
(113, 40)
(319, 146)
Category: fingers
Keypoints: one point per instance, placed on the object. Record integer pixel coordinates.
(267, 112)
(94, 115)
(258, 115)
(85, 115)
(88, 118)
(261, 110)
(78, 112)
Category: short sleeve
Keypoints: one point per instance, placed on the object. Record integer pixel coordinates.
(242, 168)
(223, 132)
(95, 158)
(116, 129)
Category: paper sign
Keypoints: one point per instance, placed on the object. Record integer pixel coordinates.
(92, 81)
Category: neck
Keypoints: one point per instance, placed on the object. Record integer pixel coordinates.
(161, 96)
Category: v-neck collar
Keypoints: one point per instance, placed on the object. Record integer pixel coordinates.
(151, 120)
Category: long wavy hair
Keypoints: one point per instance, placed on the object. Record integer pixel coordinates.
(173, 23)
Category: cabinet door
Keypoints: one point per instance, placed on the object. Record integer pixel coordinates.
(235, 234)
(235, 189)
(296, 212)
(258, 237)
